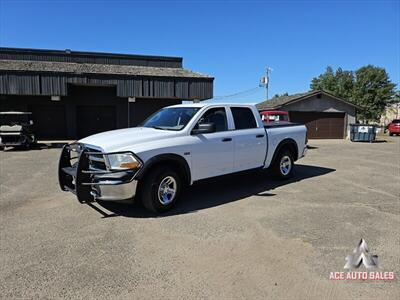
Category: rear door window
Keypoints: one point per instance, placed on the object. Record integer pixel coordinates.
(243, 118)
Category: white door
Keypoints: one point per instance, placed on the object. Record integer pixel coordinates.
(249, 140)
(212, 153)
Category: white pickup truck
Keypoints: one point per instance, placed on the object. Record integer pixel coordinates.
(175, 147)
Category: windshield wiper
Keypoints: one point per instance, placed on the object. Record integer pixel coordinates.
(158, 127)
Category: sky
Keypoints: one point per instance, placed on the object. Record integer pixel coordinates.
(233, 41)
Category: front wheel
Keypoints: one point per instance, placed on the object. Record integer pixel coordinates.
(283, 165)
(161, 189)
(390, 133)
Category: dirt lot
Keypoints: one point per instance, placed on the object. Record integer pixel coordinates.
(237, 237)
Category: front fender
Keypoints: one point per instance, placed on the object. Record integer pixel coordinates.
(166, 158)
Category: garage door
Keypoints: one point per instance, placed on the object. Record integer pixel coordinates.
(321, 125)
(93, 119)
(49, 121)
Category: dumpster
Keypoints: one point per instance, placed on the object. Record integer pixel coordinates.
(362, 132)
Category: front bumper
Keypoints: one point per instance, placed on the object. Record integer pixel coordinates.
(12, 139)
(114, 192)
(84, 172)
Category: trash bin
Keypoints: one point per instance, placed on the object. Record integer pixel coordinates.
(362, 132)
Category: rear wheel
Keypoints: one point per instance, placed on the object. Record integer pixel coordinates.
(390, 133)
(283, 165)
(161, 189)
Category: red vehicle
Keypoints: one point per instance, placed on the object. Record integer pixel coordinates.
(272, 116)
(394, 127)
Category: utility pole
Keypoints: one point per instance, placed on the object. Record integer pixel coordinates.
(264, 81)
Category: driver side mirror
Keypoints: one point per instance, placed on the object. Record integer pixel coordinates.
(204, 128)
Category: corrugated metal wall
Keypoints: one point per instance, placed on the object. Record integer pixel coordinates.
(143, 87)
(11, 84)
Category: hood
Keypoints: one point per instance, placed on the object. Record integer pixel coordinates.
(117, 140)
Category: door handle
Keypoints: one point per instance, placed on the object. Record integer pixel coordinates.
(259, 136)
(227, 139)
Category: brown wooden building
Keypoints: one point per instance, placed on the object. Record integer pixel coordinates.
(74, 94)
(326, 116)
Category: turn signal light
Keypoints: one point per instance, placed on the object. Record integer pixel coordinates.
(130, 165)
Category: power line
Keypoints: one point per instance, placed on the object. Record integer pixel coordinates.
(237, 94)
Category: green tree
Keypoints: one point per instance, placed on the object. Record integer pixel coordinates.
(326, 81)
(369, 87)
(373, 91)
(339, 83)
(280, 95)
(396, 98)
(344, 84)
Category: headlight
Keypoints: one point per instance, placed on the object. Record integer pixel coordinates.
(123, 161)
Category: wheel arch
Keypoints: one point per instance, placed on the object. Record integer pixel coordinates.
(174, 160)
(287, 144)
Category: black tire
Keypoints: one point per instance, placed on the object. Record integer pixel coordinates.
(282, 172)
(149, 196)
(1, 148)
(391, 134)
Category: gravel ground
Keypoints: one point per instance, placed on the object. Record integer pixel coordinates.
(244, 236)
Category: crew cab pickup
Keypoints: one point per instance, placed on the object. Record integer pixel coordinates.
(177, 146)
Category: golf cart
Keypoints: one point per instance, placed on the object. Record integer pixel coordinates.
(16, 129)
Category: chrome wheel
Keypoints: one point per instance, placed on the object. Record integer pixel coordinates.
(285, 165)
(167, 190)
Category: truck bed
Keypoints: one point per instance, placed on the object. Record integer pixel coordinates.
(281, 124)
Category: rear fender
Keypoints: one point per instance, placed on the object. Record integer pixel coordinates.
(289, 144)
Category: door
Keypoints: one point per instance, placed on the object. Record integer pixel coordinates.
(49, 121)
(93, 119)
(307, 118)
(250, 141)
(321, 125)
(212, 153)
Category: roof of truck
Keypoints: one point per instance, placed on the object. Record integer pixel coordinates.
(274, 112)
(212, 104)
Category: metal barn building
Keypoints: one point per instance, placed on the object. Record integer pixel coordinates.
(326, 116)
(74, 94)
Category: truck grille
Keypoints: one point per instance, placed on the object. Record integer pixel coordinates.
(77, 168)
(12, 139)
(96, 161)
(83, 169)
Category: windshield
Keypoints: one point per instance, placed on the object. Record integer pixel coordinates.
(274, 117)
(278, 117)
(171, 118)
